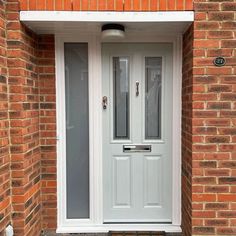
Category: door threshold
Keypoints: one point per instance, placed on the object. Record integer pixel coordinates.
(168, 228)
(137, 233)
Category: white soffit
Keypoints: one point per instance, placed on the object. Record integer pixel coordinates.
(68, 21)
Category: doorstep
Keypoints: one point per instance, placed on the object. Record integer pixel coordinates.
(116, 234)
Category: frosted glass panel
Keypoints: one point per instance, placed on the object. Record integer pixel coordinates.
(121, 97)
(77, 130)
(153, 87)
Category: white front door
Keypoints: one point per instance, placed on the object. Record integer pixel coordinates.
(137, 132)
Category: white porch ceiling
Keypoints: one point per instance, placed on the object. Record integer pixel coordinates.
(68, 22)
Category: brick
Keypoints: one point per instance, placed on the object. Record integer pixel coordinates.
(228, 96)
(219, 70)
(228, 114)
(228, 25)
(171, 5)
(93, 5)
(204, 130)
(24, 5)
(217, 139)
(201, 61)
(204, 114)
(199, 52)
(228, 164)
(206, 25)
(199, 88)
(216, 206)
(216, 222)
(204, 180)
(188, 4)
(206, 43)
(199, 16)
(220, 88)
(230, 131)
(227, 180)
(226, 231)
(227, 214)
(204, 198)
(76, 5)
(154, 5)
(41, 5)
(227, 148)
(32, 5)
(220, 34)
(145, 5)
(67, 5)
(205, 96)
(221, 16)
(222, 52)
(201, 34)
(50, 5)
(204, 214)
(218, 105)
(136, 5)
(226, 198)
(204, 148)
(206, 6)
(119, 5)
(101, 5)
(203, 230)
(228, 6)
(216, 189)
(163, 5)
(228, 43)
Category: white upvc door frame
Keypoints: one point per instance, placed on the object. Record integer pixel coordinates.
(95, 223)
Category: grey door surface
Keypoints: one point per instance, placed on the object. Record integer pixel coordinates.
(137, 132)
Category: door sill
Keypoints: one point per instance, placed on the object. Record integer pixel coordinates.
(168, 228)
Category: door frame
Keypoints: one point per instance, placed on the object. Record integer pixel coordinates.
(95, 223)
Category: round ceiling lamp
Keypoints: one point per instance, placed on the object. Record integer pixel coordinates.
(113, 31)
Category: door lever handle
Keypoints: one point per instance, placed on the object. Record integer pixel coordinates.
(104, 102)
(137, 88)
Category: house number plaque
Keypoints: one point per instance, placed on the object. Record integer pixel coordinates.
(219, 61)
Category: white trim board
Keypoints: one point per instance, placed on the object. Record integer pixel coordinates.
(101, 16)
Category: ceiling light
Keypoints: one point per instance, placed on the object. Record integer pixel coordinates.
(113, 31)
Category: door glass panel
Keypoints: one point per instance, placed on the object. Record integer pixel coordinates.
(121, 97)
(153, 87)
(77, 130)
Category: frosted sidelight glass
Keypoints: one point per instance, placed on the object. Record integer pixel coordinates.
(77, 130)
(153, 88)
(121, 97)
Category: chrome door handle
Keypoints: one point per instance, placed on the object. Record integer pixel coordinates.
(104, 102)
(137, 88)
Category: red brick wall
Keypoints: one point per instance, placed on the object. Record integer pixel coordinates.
(5, 200)
(48, 130)
(214, 120)
(107, 5)
(208, 140)
(27, 81)
(187, 90)
(27, 89)
(24, 124)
